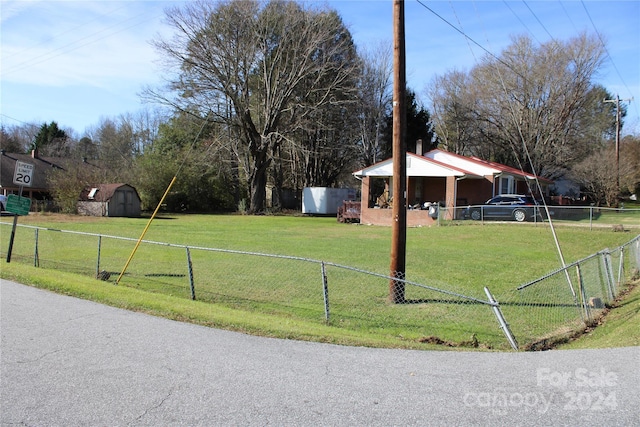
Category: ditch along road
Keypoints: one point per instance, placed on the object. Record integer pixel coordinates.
(71, 362)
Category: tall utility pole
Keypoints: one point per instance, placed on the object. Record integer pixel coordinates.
(617, 102)
(399, 207)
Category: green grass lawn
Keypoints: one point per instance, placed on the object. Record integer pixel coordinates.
(283, 297)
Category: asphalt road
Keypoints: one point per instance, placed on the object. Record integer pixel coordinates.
(70, 362)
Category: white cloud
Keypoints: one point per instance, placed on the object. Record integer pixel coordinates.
(79, 43)
(12, 8)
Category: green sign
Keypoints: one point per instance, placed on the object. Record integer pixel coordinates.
(18, 205)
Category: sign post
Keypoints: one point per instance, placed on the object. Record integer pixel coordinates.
(18, 205)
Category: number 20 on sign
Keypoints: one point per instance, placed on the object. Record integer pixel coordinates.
(23, 174)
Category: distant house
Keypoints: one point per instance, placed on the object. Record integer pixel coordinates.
(438, 177)
(39, 191)
(39, 188)
(113, 200)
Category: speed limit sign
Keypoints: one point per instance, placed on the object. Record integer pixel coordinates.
(23, 174)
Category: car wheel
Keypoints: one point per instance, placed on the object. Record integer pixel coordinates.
(519, 215)
(475, 215)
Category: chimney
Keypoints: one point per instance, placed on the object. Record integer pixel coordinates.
(419, 147)
(34, 153)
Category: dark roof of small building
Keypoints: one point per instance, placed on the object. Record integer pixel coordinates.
(102, 192)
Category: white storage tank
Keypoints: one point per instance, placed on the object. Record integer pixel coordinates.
(325, 200)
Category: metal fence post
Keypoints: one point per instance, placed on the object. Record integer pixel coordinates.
(190, 268)
(98, 259)
(606, 258)
(36, 256)
(586, 317)
(620, 268)
(325, 289)
(501, 320)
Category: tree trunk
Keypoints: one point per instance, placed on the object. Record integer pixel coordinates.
(258, 182)
(258, 194)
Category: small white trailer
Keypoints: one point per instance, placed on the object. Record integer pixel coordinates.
(325, 200)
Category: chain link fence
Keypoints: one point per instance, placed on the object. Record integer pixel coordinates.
(563, 303)
(587, 216)
(367, 302)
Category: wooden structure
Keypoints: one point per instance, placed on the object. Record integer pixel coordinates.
(349, 211)
(113, 200)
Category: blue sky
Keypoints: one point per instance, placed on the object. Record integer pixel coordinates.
(75, 62)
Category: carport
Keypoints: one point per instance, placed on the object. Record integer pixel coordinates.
(437, 177)
(428, 182)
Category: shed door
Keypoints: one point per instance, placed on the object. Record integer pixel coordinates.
(119, 198)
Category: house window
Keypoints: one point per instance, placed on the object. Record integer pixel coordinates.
(507, 185)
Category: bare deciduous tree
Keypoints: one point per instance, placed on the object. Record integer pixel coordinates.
(630, 157)
(16, 139)
(453, 113)
(603, 177)
(531, 102)
(274, 65)
(375, 96)
(115, 144)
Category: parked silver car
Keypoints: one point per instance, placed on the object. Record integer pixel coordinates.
(506, 207)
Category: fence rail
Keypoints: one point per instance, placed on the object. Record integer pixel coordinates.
(529, 316)
(593, 216)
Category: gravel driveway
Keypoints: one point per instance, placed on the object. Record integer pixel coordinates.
(70, 362)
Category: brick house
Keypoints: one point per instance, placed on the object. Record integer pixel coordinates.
(451, 180)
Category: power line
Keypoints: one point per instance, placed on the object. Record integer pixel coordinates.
(471, 40)
(520, 131)
(457, 29)
(568, 16)
(74, 45)
(506, 3)
(466, 36)
(539, 22)
(69, 30)
(13, 118)
(460, 24)
(604, 45)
